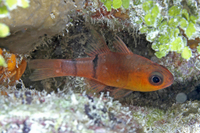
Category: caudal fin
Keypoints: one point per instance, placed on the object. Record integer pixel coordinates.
(45, 68)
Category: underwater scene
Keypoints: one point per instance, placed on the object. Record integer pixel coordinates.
(100, 66)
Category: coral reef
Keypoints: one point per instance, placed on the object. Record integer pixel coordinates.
(42, 17)
(50, 106)
(12, 68)
(169, 25)
(62, 113)
(5, 7)
(33, 111)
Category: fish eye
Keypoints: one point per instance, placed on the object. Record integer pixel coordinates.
(156, 78)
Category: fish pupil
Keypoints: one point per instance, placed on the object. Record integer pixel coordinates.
(156, 79)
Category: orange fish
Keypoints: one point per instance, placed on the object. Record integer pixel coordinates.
(14, 70)
(119, 72)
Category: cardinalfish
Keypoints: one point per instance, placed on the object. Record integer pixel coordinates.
(119, 72)
(15, 67)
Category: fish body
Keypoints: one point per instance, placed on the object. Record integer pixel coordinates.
(131, 71)
(123, 70)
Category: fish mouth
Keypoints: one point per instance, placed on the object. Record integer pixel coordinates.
(170, 81)
(170, 77)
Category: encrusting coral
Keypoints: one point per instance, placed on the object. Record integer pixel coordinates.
(33, 111)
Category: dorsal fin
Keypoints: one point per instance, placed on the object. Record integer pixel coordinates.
(96, 44)
(121, 46)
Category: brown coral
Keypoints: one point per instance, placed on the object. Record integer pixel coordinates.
(14, 70)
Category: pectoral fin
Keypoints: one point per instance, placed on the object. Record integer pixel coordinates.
(95, 86)
(118, 93)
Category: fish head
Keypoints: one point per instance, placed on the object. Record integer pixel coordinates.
(151, 78)
(158, 77)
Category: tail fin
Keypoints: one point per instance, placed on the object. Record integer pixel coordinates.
(45, 68)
